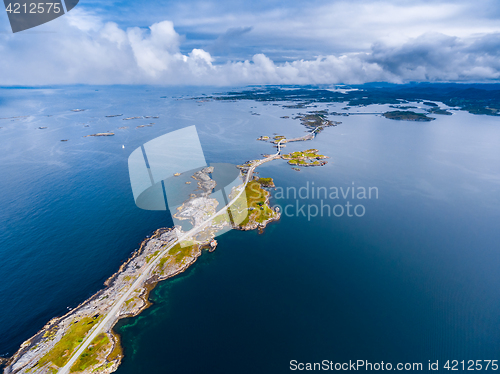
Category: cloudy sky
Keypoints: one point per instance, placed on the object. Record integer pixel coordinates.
(257, 42)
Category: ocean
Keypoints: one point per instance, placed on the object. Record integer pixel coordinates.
(412, 279)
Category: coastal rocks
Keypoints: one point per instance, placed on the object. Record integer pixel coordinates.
(196, 209)
(205, 183)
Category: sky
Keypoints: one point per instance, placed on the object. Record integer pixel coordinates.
(227, 43)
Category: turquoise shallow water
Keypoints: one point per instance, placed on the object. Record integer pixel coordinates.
(414, 279)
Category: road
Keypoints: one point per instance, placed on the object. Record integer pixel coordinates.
(112, 315)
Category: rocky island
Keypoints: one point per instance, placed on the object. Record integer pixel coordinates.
(101, 134)
(309, 157)
(406, 115)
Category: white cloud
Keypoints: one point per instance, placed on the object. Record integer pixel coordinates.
(94, 52)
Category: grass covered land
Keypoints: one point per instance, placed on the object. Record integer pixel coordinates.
(278, 138)
(266, 182)
(181, 252)
(406, 115)
(90, 356)
(309, 157)
(252, 209)
(63, 349)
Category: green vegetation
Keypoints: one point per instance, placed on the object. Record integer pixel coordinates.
(308, 157)
(90, 356)
(63, 349)
(181, 252)
(221, 219)
(162, 262)
(149, 257)
(266, 182)
(279, 138)
(258, 210)
(50, 334)
(405, 115)
(117, 349)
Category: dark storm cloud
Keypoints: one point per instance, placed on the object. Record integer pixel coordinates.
(437, 57)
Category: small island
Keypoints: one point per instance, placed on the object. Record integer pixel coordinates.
(309, 157)
(406, 115)
(437, 110)
(317, 119)
(101, 134)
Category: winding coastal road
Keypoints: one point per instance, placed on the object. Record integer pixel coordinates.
(112, 315)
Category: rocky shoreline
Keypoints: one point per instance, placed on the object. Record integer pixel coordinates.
(157, 259)
(33, 350)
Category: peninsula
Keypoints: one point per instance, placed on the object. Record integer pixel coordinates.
(83, 340)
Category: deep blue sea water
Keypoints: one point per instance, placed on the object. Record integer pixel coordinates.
(415, 279)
